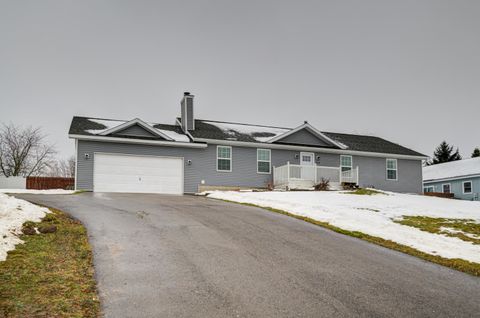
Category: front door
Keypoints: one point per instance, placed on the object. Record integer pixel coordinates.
(307, 161)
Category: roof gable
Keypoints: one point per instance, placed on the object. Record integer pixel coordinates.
(306, 134)
(139, 124)
(135, 131)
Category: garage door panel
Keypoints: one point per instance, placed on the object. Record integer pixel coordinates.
(138, 174)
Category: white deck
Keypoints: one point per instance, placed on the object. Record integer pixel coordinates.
(301, 177)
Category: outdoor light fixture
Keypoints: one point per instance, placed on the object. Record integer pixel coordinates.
(297, 156)
(87, 156)
(189, 162)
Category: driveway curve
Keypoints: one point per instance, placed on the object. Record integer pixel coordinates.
(186, 256)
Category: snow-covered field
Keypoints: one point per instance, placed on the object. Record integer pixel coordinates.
(359, 213)
(28, 191)
(13, 213)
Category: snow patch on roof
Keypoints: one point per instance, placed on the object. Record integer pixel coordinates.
(173, 134)
(253, 131)
(452, 169)
(114, 123)
(105, 122)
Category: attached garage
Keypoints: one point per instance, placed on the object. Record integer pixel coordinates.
(137, 174)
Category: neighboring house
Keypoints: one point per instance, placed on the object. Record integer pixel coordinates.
(193, 155)
(461, 177)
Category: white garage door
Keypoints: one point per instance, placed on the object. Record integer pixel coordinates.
(137, 174)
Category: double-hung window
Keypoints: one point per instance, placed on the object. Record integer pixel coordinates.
(224, 158)
(446, 188)
(428, 189)
(392, 171)
(346, 164)
(467, 187)
(264, 160)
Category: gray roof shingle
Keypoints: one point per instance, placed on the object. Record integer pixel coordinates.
(209, 129)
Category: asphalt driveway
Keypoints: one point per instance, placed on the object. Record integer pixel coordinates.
(185, 256)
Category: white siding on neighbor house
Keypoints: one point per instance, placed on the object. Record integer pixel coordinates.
(13, 182)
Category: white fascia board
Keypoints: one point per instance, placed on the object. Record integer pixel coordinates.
(138, 141)
(310, 149)
(312, 129)
(136, 121)
(451, 178)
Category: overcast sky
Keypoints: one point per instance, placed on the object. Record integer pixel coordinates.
(407, 71)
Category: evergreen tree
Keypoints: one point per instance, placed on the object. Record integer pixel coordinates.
(476, 153)
(444, 153)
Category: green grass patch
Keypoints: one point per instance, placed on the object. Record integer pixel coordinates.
(51, 275)
(465, 229)
(455, 263)
(362, 191)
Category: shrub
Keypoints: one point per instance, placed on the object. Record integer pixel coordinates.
(323, 185)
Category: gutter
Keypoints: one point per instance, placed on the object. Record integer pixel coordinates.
(138, 141)
(302, 148)
(451, 178)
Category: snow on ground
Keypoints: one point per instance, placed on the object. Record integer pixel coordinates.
(357, 213)
(30, 191)
(13, 213)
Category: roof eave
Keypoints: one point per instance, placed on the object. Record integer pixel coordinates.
(137, 141)
(307, 148)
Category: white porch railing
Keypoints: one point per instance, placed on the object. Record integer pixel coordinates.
(302, 176)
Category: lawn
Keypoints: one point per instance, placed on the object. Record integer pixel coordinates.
(51, 274)
(441, 230)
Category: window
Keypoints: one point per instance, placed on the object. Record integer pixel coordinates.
(346, 163)
(428, 189)
(467, 187)
(224, 158)
(263, 160)
(446, 188)
(392, 169)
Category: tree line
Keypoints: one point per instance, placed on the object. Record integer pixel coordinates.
(446, 153)
(25, 152)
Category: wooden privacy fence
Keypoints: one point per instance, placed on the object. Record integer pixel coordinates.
(440, 195)
(44, 183)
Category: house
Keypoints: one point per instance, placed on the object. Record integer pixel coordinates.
(461, 177)
(193, 155)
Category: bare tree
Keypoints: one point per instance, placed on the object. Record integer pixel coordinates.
(23, 151)
(61, 168)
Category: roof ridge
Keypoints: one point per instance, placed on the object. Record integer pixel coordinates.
(124, 120)
(244, 124)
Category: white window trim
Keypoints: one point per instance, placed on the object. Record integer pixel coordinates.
(463, 187)
(449, 187)
(386, 169)
(310, 154)
(428, 187)
(231, 158)
(351, 162)
(269, 161)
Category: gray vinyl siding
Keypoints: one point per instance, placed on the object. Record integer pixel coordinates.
(187, 112)
(190, 117)
(244, 166)
(456, 187)
(303, 137)
(134, 130)
(373, 173)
